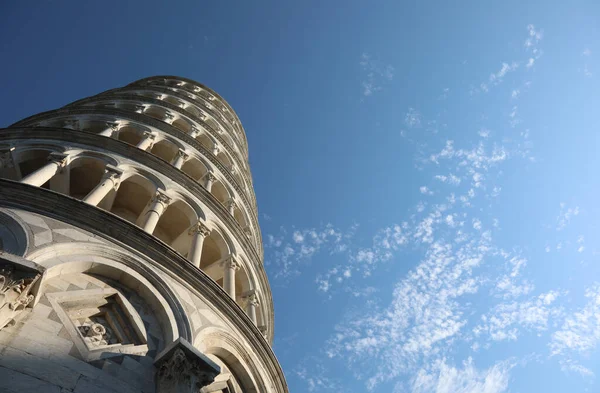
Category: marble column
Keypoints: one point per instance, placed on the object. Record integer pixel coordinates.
(231, 206)
(251, 305)
(110, 130)
(169, 118)
(230, 266)
(158, 204)
(209, 180)
(180, 158)
(147, 141)
(199, 232)
(110, 181)
(57, 161)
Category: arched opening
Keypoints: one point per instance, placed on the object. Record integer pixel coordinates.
(30, 161)
(214, 250)
(156, 112)
(164, 149)
(183, 125)
(220, 192)
(206, 141)
(240, 217)
(194, 111)
(129, 134)
(133, 195)
(173, 225)
(172, 100)
(85, 173)
(194, 168)
(224, 159)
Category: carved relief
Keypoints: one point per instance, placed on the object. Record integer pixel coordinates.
(15, 287)
(182, 369)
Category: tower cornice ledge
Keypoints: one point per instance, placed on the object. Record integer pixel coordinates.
(153, 251)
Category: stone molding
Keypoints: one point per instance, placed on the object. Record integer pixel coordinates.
(107, 225)
(148, 159)
(181, 368)
(19, 284)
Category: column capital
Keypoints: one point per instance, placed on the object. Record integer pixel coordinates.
(6, 158)
(181, 153)
(210, 177)
(113, 173)
(181, 368)
(231, 262)
(114, 125)
(169, 116)
(216, 149)
(251, 299)
(60, 159)
(139, 108)
(230, 203)
(149, 135)
(161, 197)
(200, 229)
(73, 123)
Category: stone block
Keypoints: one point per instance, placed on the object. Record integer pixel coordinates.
(38, 368)
(15, 382)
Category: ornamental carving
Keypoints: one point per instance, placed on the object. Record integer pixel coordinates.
(15, 288)
(182, 369)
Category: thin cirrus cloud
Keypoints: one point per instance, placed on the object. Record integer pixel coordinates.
(376, 74)
(411, 339)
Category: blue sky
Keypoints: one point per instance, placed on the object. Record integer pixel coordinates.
(425, 172)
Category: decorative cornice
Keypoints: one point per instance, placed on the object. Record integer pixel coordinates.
(153, 250)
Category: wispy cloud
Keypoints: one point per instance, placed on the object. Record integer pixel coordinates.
(565, 216)
(442, 378)
(377, 74)
(580, 332)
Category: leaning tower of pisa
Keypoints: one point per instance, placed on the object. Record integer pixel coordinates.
(131, 257)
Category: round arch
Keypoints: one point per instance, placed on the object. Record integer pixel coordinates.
(106, 261)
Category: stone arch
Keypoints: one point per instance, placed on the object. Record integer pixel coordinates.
(173, 225)
(165, 149)
(182, 124)
(129, 201)
(85, 172)
(206, 141)
(130, 134)
(14, 237)
(195, 168)
(220, 192)
(109, 262)
(216, 342)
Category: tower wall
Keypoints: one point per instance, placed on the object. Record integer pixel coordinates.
(132, 258)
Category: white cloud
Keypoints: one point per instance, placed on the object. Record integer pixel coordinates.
(443, 378)
(586, 52)
(425, 190)
(530, 62)
(565, 216)
(377, 74)
(412, 118)
(515, 93)
(535, 36)
(580, 332)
